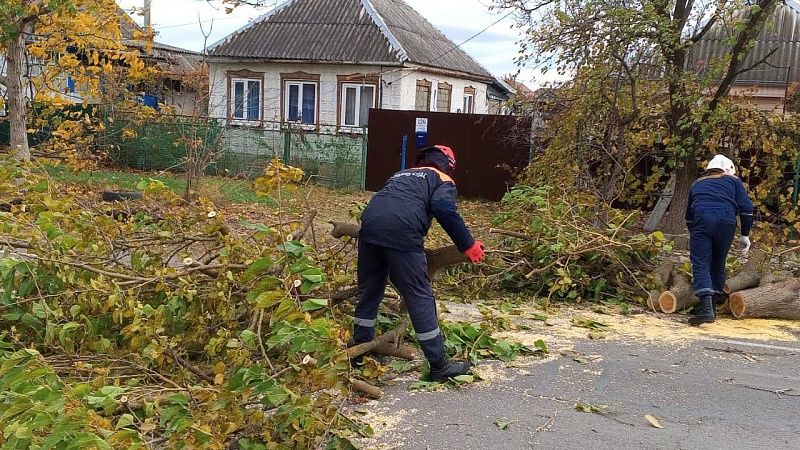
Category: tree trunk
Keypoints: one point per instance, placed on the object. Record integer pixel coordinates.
(776, 301)
(751, 274)
(679, 297)
(15, 92)
(685, 174)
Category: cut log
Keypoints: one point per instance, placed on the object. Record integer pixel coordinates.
(774, 301)
(663, 273)
(652, 301)
(398, 351)
(751, 274)
(679, 297)
(367, 389)
(345, 229)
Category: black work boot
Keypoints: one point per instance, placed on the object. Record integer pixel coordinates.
(446, 368)
(704, 312)
(720, 299)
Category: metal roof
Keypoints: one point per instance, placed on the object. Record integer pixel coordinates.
(360, 31)
(781, 34)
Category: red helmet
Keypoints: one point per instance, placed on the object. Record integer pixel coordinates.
(446, 151)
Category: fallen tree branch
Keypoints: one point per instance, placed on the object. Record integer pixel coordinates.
(385, 338)
(398, 351)
(300, 233)
(510, 233)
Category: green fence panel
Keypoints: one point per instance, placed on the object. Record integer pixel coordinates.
(326, 156)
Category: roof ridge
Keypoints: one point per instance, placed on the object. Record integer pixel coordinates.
(393, 41)
(262, 18)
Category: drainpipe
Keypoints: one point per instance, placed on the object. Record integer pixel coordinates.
(786, 89)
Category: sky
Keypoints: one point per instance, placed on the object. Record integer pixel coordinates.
(176, 22)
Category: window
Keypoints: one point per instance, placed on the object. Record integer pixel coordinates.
(423, 101)
(356, 101)
(301, 102)
(246, 100)
(469, 103)
(444, 97)
(469, 100)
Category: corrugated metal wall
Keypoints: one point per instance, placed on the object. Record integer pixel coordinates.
(781, 34)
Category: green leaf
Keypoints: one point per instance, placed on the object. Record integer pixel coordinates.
(257, 267)
(256, 227)
(314, 275)
(401, 366)
(314, 304)
(540, 344)
(461, 379)
(124, 421)
(295, 249)
(248, 337)
(589, 323)
(502, 424)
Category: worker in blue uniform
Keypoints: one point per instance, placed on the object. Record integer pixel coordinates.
(714, 202)
(393, 228)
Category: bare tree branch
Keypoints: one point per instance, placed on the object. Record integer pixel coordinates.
(709, 25)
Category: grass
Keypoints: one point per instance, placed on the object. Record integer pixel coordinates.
(231, 190)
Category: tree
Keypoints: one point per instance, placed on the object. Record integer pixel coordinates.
(573, 36)
(47, 42)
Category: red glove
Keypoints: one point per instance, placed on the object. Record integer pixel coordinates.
(476, 253)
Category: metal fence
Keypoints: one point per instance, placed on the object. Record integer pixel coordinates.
(326, 154)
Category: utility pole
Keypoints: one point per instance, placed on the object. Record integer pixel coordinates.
(147, 16)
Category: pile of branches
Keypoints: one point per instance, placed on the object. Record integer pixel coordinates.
(161, 324)
(155, 324)
(553, 247)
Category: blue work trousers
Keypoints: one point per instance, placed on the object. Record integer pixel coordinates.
(409, 274)
(712, 233)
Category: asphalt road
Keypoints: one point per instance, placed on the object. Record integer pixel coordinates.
(707, 394)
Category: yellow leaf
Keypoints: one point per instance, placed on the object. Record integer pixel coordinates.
(219, 379)
(653, 421)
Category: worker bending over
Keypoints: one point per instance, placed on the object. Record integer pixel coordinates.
(393, 228)
(714, 202)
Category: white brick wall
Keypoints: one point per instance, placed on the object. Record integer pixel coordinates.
(398, 87)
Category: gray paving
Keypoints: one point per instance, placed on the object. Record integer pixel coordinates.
(712, 394)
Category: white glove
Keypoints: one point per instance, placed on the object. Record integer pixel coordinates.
(744, 241)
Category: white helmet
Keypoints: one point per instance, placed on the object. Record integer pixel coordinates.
(721, 162)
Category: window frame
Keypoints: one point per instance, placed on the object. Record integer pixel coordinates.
(469, 93)
(344, 86)
(245, 109)
(300, 94)
(300, 78)
(449, 88)
(424, 83)
(244, 75)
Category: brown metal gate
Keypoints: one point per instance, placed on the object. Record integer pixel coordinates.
(489, 149)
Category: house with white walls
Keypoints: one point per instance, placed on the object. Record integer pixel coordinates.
(326, 63)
